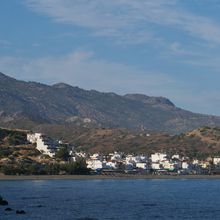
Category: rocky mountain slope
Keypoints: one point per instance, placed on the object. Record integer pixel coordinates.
(199, 143)
(30, 104)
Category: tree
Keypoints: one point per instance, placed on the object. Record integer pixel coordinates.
(79, 167)
(16, 138)
(62, 154)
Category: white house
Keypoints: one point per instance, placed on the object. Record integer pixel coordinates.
(47, 146)
(95, 164)
(195, 162)
(96, 157)
(167, 165)
(135, 159)
(155, 166)
(216, 160)
(157, 157)
(176, 156)
(32, 138)
(43, 143)
(141, 165)
(185, 165)
(129, 159)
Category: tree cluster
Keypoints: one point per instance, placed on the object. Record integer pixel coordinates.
(78, 167)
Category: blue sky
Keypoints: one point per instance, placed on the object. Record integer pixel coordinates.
(165, 48)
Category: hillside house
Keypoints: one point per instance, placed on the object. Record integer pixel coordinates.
(43, 143)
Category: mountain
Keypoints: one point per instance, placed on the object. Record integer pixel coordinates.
(29, 104)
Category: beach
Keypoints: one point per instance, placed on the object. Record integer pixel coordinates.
(96, 177)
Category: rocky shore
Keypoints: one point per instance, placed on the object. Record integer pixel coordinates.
(4, 202)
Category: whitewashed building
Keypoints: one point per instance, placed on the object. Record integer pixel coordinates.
(32, 137)
(167, 165)
(95, 164)
(216, 160)
(176, 156)
(135, 159)
(43, 143)
(157, 157)
(155, 166)
(96, 157)
(129, 159)
(47, 146)
(141, 165)
(185, 165)
(195, 162)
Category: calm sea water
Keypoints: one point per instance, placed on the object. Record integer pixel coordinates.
(112, 199)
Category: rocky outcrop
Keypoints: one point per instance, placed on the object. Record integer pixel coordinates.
(3, 202)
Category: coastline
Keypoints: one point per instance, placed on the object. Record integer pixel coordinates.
(102, 177)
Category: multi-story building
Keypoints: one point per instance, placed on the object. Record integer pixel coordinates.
(43, 143)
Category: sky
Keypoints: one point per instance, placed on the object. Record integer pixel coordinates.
(167, 48)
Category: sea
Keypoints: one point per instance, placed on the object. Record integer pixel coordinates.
(112, 199)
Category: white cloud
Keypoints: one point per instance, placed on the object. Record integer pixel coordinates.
(125, 18)
(81, 68)
(178, 49)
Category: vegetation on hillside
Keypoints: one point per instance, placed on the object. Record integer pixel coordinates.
(199, 143)
(62, 154)
(12, 137)
(19, 158)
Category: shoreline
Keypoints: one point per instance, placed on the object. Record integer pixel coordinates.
(102, 177)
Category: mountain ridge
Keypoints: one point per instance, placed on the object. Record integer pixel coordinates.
(29, 104)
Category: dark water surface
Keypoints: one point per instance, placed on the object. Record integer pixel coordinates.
(112, 199)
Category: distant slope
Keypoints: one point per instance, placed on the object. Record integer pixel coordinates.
(199, 143)
(29, 104)
(12, 137)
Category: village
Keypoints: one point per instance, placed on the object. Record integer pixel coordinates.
(157, 163)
